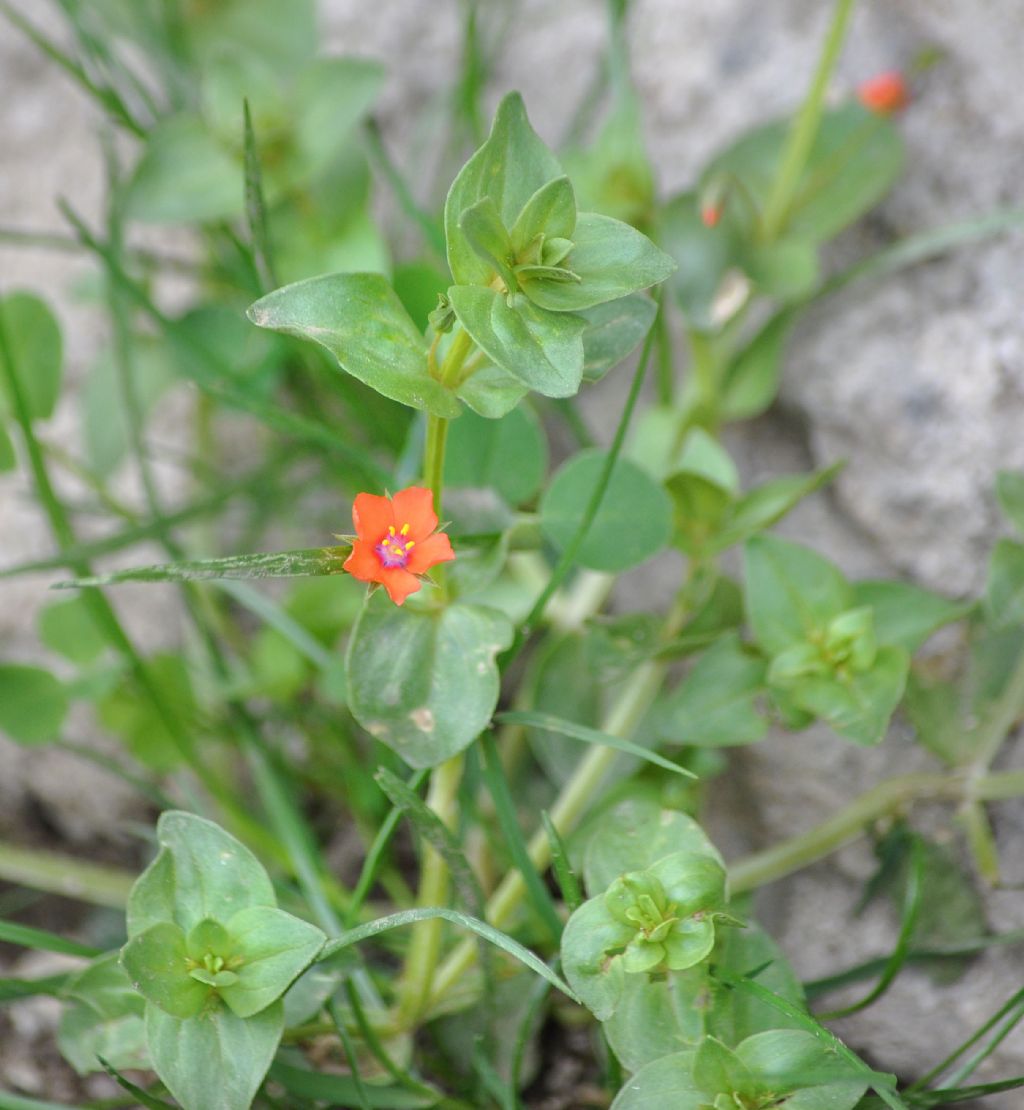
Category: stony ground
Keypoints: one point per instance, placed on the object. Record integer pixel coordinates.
(918, 383)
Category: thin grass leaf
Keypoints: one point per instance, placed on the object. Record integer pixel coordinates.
(361, 1097)
(340, 1090)
(11, 990)
(144, 1098)
(11, 1101)
(28, 937)
(275, 617)
(950, 1095)
(481, 928)
(434, 831)
(589, 736)
(965, 1071)
(568, 882)
(255, 207)
(504, 807)
(883, 1084)
(312, 562)
(372, 862)
(813, 988)
(527, 1028)
(1015, 1001)
(490, 1081)
(898, 958)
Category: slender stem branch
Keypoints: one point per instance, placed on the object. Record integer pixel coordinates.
(425, 948)
(437, 435)
(577, 794)
(65, 875)
(805, 127)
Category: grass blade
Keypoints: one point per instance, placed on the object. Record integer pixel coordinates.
(28, 937)
(589, 736)
(312, 561)
(497, 784)
(481, 928)
(568, 882)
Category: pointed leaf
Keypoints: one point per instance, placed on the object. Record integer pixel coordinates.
(792, 592)
(216, 1061)
(509, 168)
(33, 704)
(550, 212)
(544, 350)
(156, 961)
(36, 351)
(425, 683)
(614, 331)
(361, 321)
(275, 948)
(611, 259)
(482, 228)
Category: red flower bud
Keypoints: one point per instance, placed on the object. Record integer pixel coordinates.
(710, 214)
(884, 94)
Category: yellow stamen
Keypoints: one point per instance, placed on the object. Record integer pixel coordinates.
(405, 529)
(410, 544)
(391, 530)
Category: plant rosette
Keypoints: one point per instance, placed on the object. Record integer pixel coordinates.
(784, 1069)
(652, 921)
(212, 955)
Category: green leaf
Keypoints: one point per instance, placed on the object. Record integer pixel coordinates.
(482, 228)
(550, 212)
(751, 378)
(1010, 492)
(543, 350)
(491, 392)
(201, 872)
(508, 455)
(854, 160)
(275, 948)
(614, 331)
(36, 354)
(509, 168)
(703, 255)
(762, 506)
(33, 704)
(68, 628)
(106, 423)
(425, 683)
(185, 175)
(361, 321)
(464, 921)
(102, 1017)
(792, 592)
(156, 961)
(664, 1082)
(277, 564)
(589, 936)
(611, 259)
(633, 522)
(635, 834)
(905, 615)
(859, 704)
(786, 269)
(13, 932)
(590, 736)
(1004, 591)
(130, 712)
(716, 704)
(216, 1061)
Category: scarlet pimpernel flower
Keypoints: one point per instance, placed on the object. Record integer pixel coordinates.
(396, 540)
(885, 93)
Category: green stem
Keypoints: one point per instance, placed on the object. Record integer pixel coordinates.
(66, 876)
(848, 824)
(805, 127)
(433, 466)
(577, 794)
(425, 947)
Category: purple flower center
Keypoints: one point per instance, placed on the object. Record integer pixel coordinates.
(393, 550)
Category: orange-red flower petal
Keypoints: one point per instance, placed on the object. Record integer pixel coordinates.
(395, 540)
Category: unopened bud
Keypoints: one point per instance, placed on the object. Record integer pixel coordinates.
(710, 214)
(884, 94)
